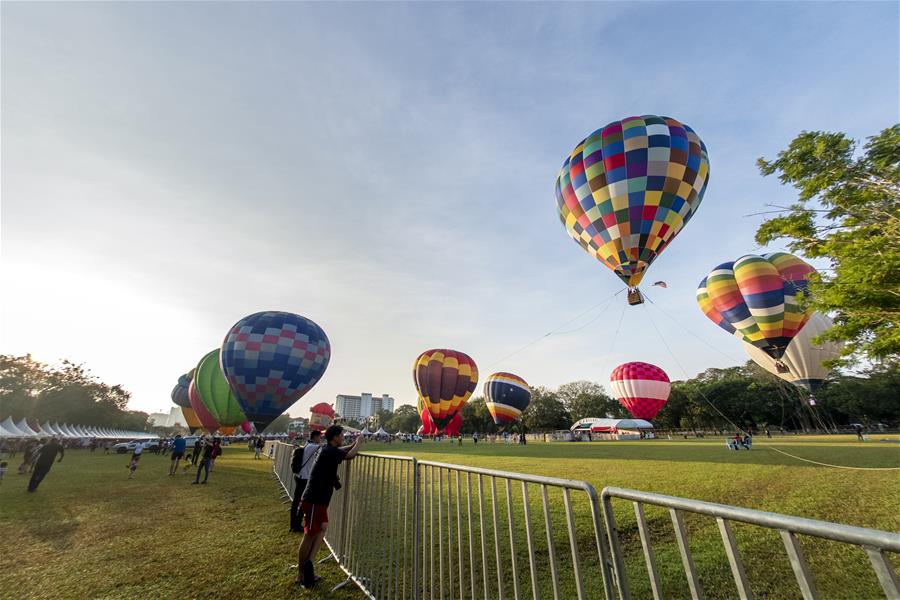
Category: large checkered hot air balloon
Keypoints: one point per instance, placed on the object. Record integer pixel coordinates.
(506, 396)
(271, 359)
(215, 393)
(641, 388)
(444, 379)
(629, 188)
(758, 299)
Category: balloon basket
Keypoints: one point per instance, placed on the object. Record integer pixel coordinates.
(635, 297)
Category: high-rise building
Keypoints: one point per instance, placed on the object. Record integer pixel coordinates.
(363, 406)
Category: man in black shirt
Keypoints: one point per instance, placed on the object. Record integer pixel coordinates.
(323, 480)
(44, 461)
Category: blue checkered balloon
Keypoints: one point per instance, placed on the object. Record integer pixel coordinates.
(271, 359)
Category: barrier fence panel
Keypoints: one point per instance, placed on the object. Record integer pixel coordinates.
(875, 543)
(493, 534)
(408, 529)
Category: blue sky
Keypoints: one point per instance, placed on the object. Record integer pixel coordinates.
(387, 170)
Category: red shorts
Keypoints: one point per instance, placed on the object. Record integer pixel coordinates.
(315, 516)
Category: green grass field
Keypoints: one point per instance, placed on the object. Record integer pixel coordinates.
(90, 533)
(704, 469)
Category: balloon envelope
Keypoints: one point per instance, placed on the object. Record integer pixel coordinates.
(247, 427)
(321, 416)
(180, 392)
(506, 396)
(190, 417)
(641, 388)
(271, 359)
(444, 379)
(759, 298)
(215, 393)
(629, 188)
(207, 421)
(802, 357)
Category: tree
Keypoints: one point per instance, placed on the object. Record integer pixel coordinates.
(584, 399)
(849, 213)
(546, 412)
(405, 419)
(476, 418)
(65, 393)
(279, 425)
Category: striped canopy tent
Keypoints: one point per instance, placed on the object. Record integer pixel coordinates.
(611, 425)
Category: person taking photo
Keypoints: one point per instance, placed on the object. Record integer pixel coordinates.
(323, 480)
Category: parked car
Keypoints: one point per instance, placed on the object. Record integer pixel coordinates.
(126, 447)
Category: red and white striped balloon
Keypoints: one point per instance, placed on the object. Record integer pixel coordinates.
(641, 388)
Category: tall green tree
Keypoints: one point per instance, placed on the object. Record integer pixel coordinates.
(476, 418)
(545, 412)
(405, 419)
(848, 212)
(584, 399)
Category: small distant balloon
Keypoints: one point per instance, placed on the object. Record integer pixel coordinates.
(661, 284)
(641, 388)
(444, 380)
(321, 416)
(506, 396)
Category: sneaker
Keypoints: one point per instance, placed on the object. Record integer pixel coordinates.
(194, 482)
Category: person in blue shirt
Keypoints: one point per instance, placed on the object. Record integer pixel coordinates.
(178, 448)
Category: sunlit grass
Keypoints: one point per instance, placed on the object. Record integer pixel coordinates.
(89, 532)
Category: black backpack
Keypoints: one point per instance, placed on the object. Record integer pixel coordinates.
(297, 460)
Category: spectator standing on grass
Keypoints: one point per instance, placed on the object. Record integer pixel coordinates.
(44, 461)
(302, 461)
(178, 448)
(135, 458)
(216, 452)
(205, 460)
(323, 480)
(259, 446)
(198, 447)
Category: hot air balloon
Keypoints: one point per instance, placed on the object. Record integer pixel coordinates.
(758, 297)
(427, 427)
(180, 391)
(641, 388)
(215, 393)
(321, 416)
(444, 379)
(506, 396)
(247, 427)
(629, 188)
(190, 417)
(271, 359)
(803, 359)
(207, 421)
(455, 424)
(228, 430)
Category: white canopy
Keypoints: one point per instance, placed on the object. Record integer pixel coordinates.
(382, 432)
(25, 429)
(366, 431)
(8, 429)
(591, 424)
(48, 429)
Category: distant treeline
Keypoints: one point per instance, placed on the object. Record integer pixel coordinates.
(65, 393)
(747, 396)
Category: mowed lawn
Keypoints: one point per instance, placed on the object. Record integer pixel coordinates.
(762, 479)
(89, 532)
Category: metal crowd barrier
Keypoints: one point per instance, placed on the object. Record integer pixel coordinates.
(876, 543)
(404, 528)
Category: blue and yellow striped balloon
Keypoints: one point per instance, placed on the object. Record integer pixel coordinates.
(506, 396)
